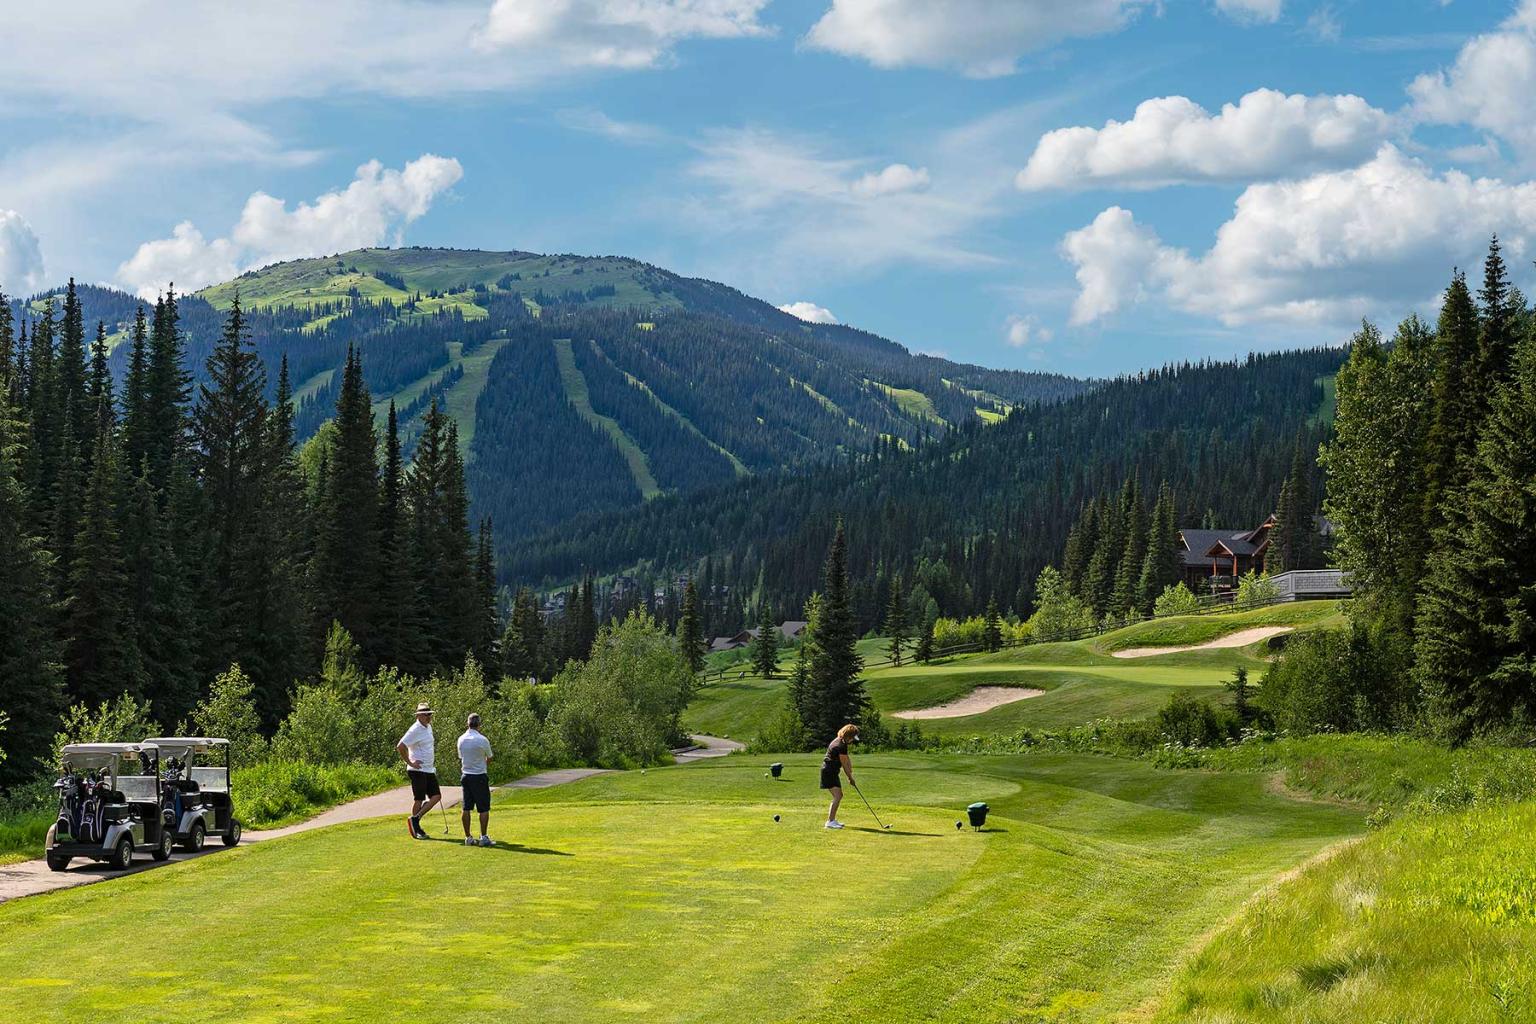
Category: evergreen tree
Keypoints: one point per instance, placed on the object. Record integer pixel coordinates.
(1160, 566)
(1498, 320)
(167, 390)
(992, 628)
(836, 691)
(586, 619)
(522, 644)
(33, 692)
(924, 651)
(1453, 434)
(99, 390)
(898, 633)
(1477, 609)
(1082, 542)
(454, 548)
(346, 530)
(485, 595)
(400, 642)
(157, 600)
(74, 403)
(101, 656)
(136, 428)
(1128, 568)
(67, 492)
(44, 420)
(765, 646)
(690, 629)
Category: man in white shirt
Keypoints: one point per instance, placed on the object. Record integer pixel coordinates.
(475, 756)
(417, 746)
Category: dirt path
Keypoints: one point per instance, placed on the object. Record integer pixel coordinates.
(983, 698)
(1242, 638)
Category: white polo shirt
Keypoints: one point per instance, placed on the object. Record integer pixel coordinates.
(474, 748)
(420, 744)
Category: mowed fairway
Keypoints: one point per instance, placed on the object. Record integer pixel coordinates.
(674, 896)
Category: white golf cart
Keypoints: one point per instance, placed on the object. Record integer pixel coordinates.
(195, 794)
(109, 805)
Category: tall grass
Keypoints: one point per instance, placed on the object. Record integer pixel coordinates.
(275, 793)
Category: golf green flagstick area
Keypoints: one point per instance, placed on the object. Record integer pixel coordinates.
(674, 896)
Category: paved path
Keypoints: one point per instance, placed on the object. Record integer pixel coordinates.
(32, 877)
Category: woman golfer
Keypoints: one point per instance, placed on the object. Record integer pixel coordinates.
(837, 758)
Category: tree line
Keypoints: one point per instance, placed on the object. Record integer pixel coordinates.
(153, 534)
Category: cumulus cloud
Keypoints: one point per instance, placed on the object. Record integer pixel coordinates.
(373, 209)
(1322, 250)
(1267, 11)
(633, 34)
(981, 38)
(1173, 140)
(809, 312)
(1490, 84)
(1026, 330)
(893, 179)
(21, 255)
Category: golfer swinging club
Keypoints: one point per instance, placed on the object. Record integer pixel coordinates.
(475, 756)
(837, 757)
(417, 747)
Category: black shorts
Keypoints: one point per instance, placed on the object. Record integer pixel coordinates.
(423, 784)
(477, 793)
(829, 778)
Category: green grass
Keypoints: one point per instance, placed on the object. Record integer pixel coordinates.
(1330, 403)
(22, 834)
(1198, 629)
(277, 793)
(737, 465)
(453, 353)
(460, 400)
(312, 386)
(673, 896)
(1431, 919)
(576, 390)
(912, 402)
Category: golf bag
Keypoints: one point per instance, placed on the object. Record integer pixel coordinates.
(82, 808)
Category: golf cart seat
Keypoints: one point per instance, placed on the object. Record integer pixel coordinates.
(184, 785)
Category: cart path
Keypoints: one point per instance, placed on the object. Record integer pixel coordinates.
(1239, 639)
(32, 877)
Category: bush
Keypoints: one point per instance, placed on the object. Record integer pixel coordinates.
(1348, 680)
(1188, 721)
(1256, 588)
(319, 730)
(1176, 599)
(1057, 611)
(229, 711)
(122, 720)
(276, 793)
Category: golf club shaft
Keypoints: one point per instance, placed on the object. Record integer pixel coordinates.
(859, 791)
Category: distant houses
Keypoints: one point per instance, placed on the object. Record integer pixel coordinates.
(790, 631)
(1212, 560)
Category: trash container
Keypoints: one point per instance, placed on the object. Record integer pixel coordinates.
(776, 769)
(977, 812)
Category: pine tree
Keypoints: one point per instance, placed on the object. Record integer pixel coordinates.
(1477, 609)
(485, 595)
(992, 628)
(1160, 566)
(1453, 434)
(1082, 541)
(837, 692)
(99, 390)
(102, 656)
(924, 651)
(897, 631)
(522, 644)
(346, 530)
(167, 390)
(157, 600)
(765, 646)
(33, 691)
(136, 430)
(400, 642)
(67, 492)
(690, 629)
(44, 420)
(1497, 323)
(457, 554)
(74, 403)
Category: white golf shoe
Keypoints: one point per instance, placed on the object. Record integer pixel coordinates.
(487, 841)
(833, 824)
(470, 842)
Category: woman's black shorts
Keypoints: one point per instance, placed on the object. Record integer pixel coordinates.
(829, 779)
(423, 784)
(477, 792)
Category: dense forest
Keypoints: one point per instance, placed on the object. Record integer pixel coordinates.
(975, 514)
(154, 534)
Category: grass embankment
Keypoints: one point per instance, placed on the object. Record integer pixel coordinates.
(1431, 918)
(576, 390)
(1082, 679)
(674, 895)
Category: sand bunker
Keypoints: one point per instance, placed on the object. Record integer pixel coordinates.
(983, 698)
(1239, 639)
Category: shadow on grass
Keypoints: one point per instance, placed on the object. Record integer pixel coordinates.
(508, 847)
(888, 831)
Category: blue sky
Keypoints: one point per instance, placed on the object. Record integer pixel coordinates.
(943, 172)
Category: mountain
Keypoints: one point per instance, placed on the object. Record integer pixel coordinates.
(584, 383)
(976, 513)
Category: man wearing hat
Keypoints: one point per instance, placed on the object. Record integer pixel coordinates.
(417, 747)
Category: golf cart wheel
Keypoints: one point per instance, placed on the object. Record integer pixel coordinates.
(122, 854)
(233, 833)
(162, 849)
(57, 862)
(195, 837)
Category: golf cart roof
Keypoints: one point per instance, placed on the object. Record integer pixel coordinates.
(109, 748)
(187, 741)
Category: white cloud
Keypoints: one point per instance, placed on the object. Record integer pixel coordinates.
(1324, 25)
(373, 209)
(809, 312)
(595, 122)
(893, 179)
(1490, 85)
(1324, 250)
(981, 38)
(1252, 10)
(1026, 330)
(21, 256)
(631, 34)
(1173, 140)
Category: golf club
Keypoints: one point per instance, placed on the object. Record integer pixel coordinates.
(859, 791)
(444, 808)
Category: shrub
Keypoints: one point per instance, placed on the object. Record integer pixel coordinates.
(1191, 722)
(1348, 680)
(276, 793)
(229, 711)
(1256, 588)
(1176, 599)
(1057, 611)
(783, 733)
(319, 730)
(121, 720)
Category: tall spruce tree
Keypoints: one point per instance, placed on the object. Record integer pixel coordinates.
(485, 595)
(136, 428)
(167, 391)
(898, 632)
(1477, 609)
(72, 379)
(1457, 406)
(158, 600)
(522, 643)
(765, 646)
(992, 627)
(690, 628)
(836, 691)
(1498, 321)
(346, 528)
(400, 640)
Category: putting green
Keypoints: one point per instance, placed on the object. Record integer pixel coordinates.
(674, 896)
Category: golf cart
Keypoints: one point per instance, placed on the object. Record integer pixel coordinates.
(195, 793)
(109, 805)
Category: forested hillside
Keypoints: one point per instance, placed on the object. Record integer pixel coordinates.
(979, 512)
(600, 382)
